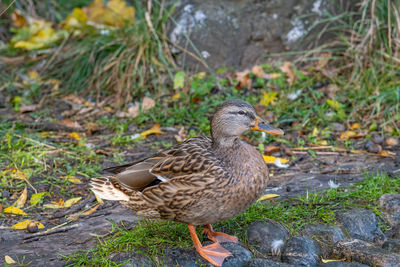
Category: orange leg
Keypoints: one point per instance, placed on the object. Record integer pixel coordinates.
(218, 236)
(214, 253)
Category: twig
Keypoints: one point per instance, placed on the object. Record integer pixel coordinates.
(53, 230)
(4, 11)
(35, 141)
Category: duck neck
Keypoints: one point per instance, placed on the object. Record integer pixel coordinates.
(225, 142)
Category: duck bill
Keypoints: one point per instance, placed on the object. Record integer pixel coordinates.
(262, 126)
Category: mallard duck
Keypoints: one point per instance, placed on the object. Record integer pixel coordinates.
(200, 181)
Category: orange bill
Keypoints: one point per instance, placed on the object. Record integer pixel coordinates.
(262, 126)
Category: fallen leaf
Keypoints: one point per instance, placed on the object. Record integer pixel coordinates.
(386, 153)
(1, 207)
(347, 135)
(15, 174)
(22, 199)
(14, 210)
(153, 130)
(28, 108)
(355, 126)
(147, 104)
(271, 149)
(324, 59)
(9, 260)
(36, 198)
(22, 225)
(179, 80)
(243, 79)
(268, 98)
(18, 20)
(181, 136)
(315, 132)
(259, 72)
(288, 70)
(91, 210)
(322, 142)
(200, 75)
(176, 96)
(74, 135)
(267, 196)
(71, 124)
(75, 99)
(272, 159)
(74, 180)
(99, 200)
(56, 204)
(327, 260)
(71, 202)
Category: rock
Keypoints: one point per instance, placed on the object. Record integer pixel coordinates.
(377, 138)
(392, 245)
(391, 141)
(393, 233)
(268, 236)
(240, 33)
(372, 147)
(267, 263)
(343, 264)
(361, 224)
(182, 257)
(390, 203)
(366, 253)
(131, 259)
(240, 255)
(337, 127)
(301, 251)
(326, 235)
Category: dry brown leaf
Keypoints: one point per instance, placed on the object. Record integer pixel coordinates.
(18, 20)
(1, 207)
(28, 108)
(243, 79)
(91, 210)
(75, 99)
(386, 153)
(268, 150)
(22, 199)
(147, 103)
(323, 61)
(258, 71)
(288, 70)
(69, 123)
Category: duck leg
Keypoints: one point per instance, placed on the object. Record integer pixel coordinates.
(218, 236)
(214, 253)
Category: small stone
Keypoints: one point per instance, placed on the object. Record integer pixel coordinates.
(131, 259)
(343, 264)
(372, 147)
(391, 141)
(326, 235)
(267, 263)
(390, 203)
(240, 255)
(267, 236)
(392, 245)
(32, 227)
(5, 194)
(366, 253)
(377, 138)
(337, 127)
(361, 224)
(301, 251)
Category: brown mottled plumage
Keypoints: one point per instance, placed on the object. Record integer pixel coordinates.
(198, 182)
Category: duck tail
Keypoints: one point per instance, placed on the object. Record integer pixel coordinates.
(104, 189)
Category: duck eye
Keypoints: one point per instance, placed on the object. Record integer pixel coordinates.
(241, 112)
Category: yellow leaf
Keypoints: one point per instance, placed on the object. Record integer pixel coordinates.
(326, 261)
(55, 204)
(14, 210)
(355, 126)
(315, 132)
(333, 104)
(15, 174)
(74, 180)
(74, 135)
(273, 76)
(268, 98)
(22, 225)
(347, 135)
(9, 260)
(99, 199)
(272, 159)
(123, 14)
(22, 199)
(176, 96)
(200, 75)
(322, 142)
(91, 210)
(36, 198)
(34, 75)
(267, 196)
(76, 20)
(71, 201)
(153, 130)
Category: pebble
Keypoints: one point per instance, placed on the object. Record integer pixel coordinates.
(366, 253)
(301, 251)
(182, 257)
(267, 263)
(131, 259)
(373, 147)
(376, 138)
(326, 235)
(240, 255)
(267, 236)
(391, 141)
(390, 203)
(361, 224)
